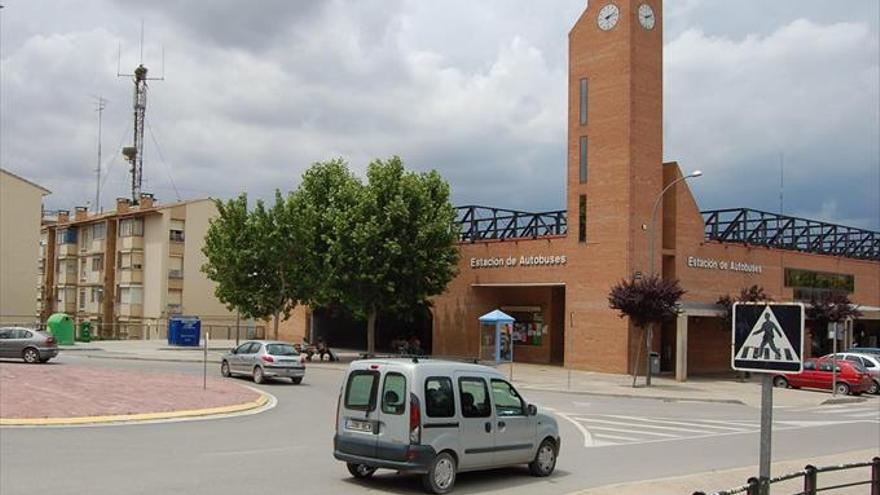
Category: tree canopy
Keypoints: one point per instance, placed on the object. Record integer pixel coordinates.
(646, 300)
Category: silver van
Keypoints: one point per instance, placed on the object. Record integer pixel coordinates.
(438, 418)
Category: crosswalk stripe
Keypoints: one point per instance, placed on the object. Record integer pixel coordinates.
(699, 424)
(621, 430)
(641, 425)
(745, 424)
(615, 437)
(866, 414)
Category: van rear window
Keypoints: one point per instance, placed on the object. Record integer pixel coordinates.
(360, 391)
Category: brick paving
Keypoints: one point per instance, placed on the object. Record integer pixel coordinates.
(66, 391)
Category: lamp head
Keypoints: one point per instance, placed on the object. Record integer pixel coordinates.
(696, 173)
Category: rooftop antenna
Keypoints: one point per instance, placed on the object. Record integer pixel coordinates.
(100, 105)
(135, 153)
(781, 181)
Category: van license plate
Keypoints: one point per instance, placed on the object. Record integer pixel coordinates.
(356, 425)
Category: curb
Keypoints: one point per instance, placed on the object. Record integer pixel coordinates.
(168, 360)
(261, 401)
(843, 400)
(629, 396)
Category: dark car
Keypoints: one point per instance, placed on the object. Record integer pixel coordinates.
(851, 377)
(33, 346)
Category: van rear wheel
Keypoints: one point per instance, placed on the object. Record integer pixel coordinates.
(440, 477)
(360, 471)
(545, 459)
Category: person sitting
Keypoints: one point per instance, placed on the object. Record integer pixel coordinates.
(323, 349)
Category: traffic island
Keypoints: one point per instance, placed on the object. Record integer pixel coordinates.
(58, 395)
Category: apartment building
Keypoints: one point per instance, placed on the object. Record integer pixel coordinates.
(127, 271)
(20, 211)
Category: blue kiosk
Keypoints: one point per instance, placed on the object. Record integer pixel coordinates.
(496, 337)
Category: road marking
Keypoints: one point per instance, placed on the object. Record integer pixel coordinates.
(616, 437)
(622, 430)
(666, 421)
(588, 438)
(643, 425)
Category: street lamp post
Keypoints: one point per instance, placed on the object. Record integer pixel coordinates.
(651, 240)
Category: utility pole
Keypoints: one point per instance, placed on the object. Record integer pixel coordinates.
(101, 103)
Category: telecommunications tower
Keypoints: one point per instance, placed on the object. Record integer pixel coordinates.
(135, 153)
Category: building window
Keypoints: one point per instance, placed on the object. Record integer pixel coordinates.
(83, 268)
(65, 236)
(175, 301)
(133, 260)
(131, 227)
(130, 295)
(582, 218)
(97, 263)
(97, 295)
(176, 232)
(99, 230)
(85, 240)
(82, 299)
(809, 284)
(583, 159)
(175, 267)
(583, 101)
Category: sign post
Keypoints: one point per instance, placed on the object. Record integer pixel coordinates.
(767, 339)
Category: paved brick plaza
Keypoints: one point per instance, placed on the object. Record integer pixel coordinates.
(65, 391)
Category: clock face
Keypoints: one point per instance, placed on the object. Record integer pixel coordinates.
(608, 17)
(646, 16)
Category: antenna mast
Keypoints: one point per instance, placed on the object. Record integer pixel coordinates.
(101, 104)
(135, 153)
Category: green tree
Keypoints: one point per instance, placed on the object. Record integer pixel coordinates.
(646, 301)
(755, 293)
(384, 246)
(251, 257)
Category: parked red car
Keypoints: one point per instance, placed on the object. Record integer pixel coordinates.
(851, 378)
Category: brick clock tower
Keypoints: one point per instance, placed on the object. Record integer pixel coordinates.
(615, 154)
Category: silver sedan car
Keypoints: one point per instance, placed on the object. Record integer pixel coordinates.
(33, 346)
(264, 359)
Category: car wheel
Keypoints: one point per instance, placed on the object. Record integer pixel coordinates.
(842, 388)
(360, 471)
(780, 381)
(440, 477)
(545, 459)
(875, 387)
(30, 355)
(297, 380)
(258, 375)
(224, 369)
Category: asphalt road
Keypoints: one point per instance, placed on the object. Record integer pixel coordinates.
(289, 448)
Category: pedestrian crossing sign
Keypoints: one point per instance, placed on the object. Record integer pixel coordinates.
(768, 337)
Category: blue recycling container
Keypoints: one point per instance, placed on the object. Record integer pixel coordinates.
(184, 331)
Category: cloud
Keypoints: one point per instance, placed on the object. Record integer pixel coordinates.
(252, 96)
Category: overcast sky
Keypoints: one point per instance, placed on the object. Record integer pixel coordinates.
(254, 92)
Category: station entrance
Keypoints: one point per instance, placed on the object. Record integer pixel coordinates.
(340, 329)
(538, 332)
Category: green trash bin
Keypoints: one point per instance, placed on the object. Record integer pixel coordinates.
(61, 326)
(85, 331)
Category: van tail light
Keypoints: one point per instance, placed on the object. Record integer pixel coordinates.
(415, 420)
(267, 359)
(338, 400)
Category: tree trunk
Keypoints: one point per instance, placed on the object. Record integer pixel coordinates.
(636, 362)
(371, 332)
(277, 318)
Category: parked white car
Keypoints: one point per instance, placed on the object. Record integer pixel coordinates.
(870, 362)
(438, 418)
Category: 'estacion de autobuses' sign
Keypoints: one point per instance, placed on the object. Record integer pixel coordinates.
(713, 264)
(498, 262)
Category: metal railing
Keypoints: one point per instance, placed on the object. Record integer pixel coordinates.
(484, 223)
(150, 331)
(811, 480)
(761, 228)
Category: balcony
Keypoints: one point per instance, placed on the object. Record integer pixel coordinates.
(92, 277)
(129, 310)
(129, 276)
(176, 248)
(175, 309)
(68, 250)
(129, 243)
(175, 283)
(66, 278)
